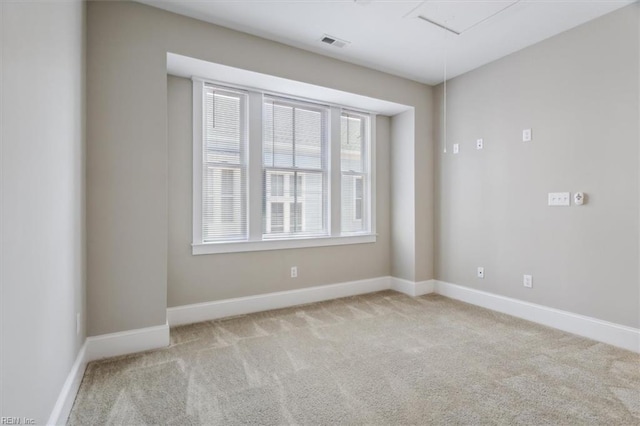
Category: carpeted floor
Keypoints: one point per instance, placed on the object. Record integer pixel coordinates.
(382, 358)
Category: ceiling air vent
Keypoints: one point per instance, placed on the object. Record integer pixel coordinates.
(333, 41)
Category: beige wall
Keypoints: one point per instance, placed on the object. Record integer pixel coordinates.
(579, 93)
(194, 279)
(42, 202)
(403, 225)
(128, 214)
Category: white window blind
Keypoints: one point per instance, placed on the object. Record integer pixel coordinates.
(224, 193)
(354, 164)
(294, 168)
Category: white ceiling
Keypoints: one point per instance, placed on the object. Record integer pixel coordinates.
(393, 35)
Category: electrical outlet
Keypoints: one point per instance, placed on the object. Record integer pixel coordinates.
(527, 280)
(78, 323)
(479, 144)
(294, 272)
(456, 148)
(527, 135)
(480, 272)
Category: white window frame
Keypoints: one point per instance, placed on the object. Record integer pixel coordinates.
(255, 184)
(198, 164)
(294, 170)
(367, 175)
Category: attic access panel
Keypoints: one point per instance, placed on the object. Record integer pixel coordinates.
(460, 16)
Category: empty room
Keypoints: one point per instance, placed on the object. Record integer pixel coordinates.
(306, 212)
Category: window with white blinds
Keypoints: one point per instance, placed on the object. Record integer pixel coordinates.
(354, 166)
(277, 172)
(224, 212)
(294, 145)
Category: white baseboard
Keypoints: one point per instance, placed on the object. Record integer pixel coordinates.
(127, 342)
(62, 409)
(207, 311)
(412, 288)
(592, 328)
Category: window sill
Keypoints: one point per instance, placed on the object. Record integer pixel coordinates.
(244, 246)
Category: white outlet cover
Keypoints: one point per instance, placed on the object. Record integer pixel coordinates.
(559, 199)
(479, 144)
(456, 148)
(526, 135)
(480, 272)
(527, 280)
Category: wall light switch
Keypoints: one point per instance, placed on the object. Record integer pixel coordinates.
(526, 135)
(456, 148)
(559, 199)
(479, 144)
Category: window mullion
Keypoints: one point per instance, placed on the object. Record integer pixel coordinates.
(254, 167)
(335, 175)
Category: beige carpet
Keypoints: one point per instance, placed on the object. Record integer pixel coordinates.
(383, 358)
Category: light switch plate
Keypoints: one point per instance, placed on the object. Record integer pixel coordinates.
(559, 199)
(479, 144)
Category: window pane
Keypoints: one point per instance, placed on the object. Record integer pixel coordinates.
(294, 147)
(308, 139)
(295, 185)
(223, 127)
(353, 203)
(277, 185)
(357, 199)
(223, 180)
(227, 178)
(351, 143)
(277, 217)
(292, 136)
(312, 200)
(307, 191)
(222, 207)
(354, 144)
(295, 217)
(278, 135)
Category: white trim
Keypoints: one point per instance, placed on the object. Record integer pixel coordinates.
(242, 246)
(67, 396)
(373, 172)
(245, 305)
(254, 167)
(425, 287)
(335, 175)
(412, 288)
(187, 67)
(592, 328)
(127, 342)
